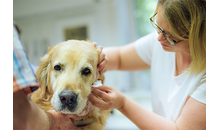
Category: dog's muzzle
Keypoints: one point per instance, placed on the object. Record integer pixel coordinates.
(68, 99)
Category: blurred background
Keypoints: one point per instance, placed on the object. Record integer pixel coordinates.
(44, 23)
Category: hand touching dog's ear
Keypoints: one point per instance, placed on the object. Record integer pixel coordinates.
(103, 59)
(99, 72)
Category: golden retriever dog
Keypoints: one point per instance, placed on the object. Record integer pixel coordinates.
(66, 75)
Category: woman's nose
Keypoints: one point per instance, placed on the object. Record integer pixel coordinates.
(160, 37)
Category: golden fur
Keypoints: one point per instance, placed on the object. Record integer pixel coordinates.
(73, 57)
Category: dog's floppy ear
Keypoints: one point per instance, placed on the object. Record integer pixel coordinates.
(42, 96)
(42, 74)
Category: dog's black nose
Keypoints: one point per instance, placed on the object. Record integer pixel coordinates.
(68, 98)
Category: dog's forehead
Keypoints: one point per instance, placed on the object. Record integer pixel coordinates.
(75, 45)
(73, 51)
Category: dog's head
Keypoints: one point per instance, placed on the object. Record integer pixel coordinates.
(66, 74)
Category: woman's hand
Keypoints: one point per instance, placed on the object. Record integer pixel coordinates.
(103, 59)
(106, 97)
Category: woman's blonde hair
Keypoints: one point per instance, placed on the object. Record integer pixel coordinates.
(187, 20)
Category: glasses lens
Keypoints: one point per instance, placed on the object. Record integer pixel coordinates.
(170, 40)
(160, 31)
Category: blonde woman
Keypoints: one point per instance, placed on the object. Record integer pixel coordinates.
(176, 55)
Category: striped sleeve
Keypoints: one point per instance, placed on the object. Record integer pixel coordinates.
(23, 75)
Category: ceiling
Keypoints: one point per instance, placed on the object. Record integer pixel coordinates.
(23, 8)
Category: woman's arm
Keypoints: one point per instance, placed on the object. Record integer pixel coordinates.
(124, 58)
(193, 115)
(145, 119)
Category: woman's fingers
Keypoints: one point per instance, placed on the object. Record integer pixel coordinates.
(97, 101)
(100, 48)
(94, 44)
(102, 97)
(102, 64)
(103, 59)
(105, 95)
(104, 88)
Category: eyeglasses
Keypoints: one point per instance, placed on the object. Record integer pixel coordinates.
(159, 30)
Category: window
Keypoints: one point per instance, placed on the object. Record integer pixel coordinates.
(77, 33)
(144, 9)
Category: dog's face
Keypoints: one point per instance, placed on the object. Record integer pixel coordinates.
(68, 71)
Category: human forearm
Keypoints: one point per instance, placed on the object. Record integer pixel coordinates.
(113, 57)
(41, 120)
(124, 58)
(27, 115)
(145, 119)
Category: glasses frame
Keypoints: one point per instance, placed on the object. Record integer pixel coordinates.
(160, 30)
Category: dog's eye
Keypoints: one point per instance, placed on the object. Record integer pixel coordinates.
(57, 67)
(86, 71)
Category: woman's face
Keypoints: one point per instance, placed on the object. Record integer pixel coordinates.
(182, 46)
